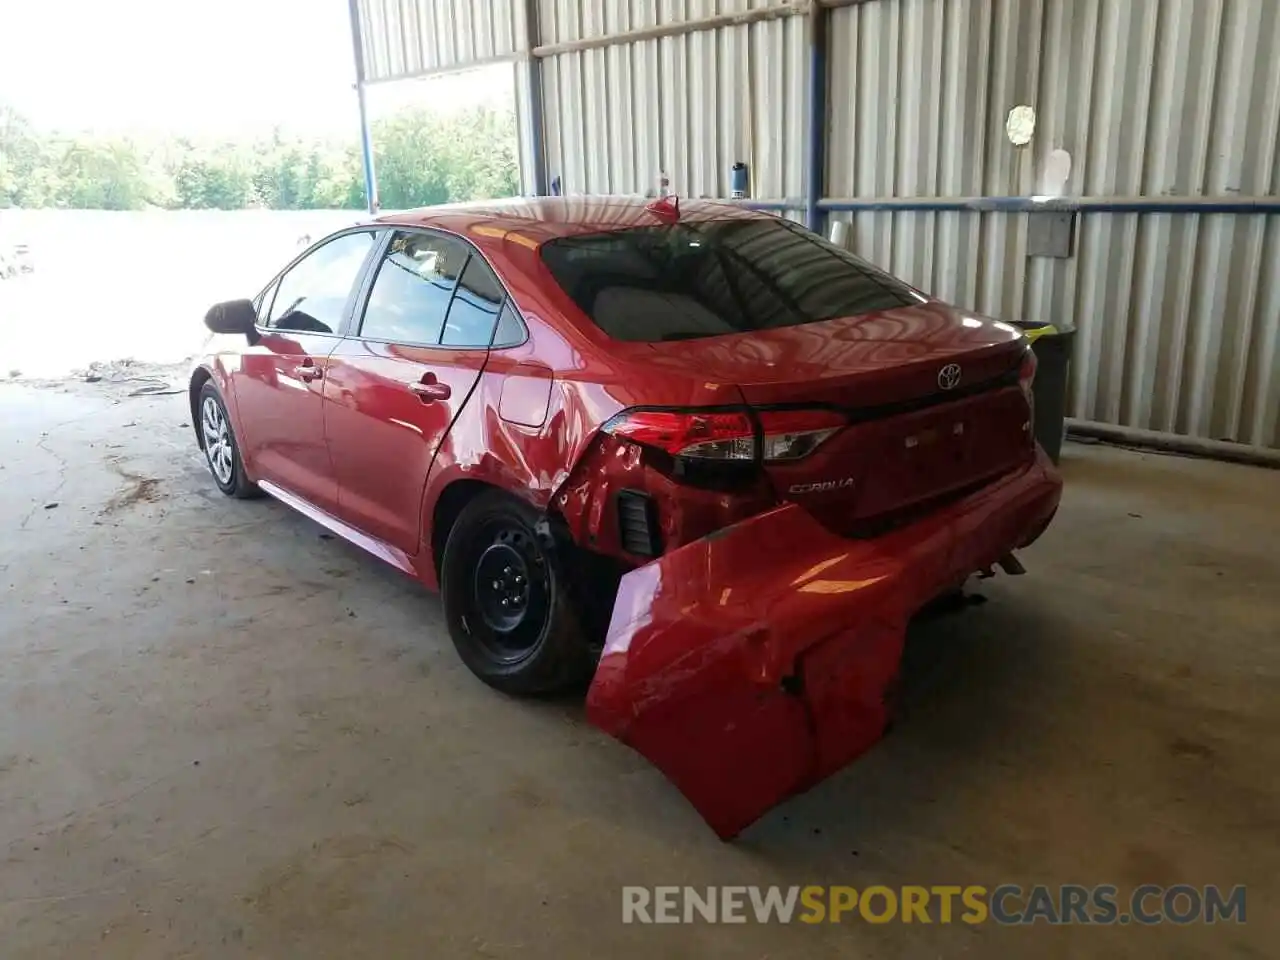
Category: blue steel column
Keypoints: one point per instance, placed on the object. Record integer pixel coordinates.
(537, 141)
(816, 148)
(366, 137)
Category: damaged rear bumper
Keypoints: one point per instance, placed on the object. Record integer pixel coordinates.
(753, 663)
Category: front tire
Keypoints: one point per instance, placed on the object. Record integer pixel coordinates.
(221, 452)
(509, 611)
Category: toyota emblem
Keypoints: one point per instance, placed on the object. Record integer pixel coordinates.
(949, 376)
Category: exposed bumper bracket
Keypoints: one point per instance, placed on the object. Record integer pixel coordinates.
(1012, 565)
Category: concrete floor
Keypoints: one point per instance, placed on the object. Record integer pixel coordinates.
(222, 734)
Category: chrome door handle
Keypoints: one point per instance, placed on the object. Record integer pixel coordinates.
(303, 372)
(428, 392)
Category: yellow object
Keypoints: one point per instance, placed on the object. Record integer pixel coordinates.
(1035, 333)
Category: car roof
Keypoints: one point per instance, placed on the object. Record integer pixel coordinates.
(540, 219)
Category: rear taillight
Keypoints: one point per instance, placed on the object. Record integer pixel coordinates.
(728, 436)
(792, 434)
(687, 433)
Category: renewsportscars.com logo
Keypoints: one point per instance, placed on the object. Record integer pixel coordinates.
(1006, 904)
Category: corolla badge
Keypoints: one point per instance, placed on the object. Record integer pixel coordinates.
(821, 486)
(949, 376)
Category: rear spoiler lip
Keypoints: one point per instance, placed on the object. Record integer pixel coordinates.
(883, 411)
(856, 414)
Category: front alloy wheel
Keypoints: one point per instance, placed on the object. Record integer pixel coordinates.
(220, 449)
(217, 441)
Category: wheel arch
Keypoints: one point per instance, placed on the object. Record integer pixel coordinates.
(199, 377)
(448, 507)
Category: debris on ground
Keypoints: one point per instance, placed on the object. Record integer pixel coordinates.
(117, 379)
(155, 379)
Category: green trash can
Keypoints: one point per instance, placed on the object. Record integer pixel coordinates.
(1053, 365)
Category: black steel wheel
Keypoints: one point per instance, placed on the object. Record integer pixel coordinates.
(509, 614)
(510, 589)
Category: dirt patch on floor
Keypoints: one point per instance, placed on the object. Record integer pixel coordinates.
(313, 887)
(137, 489)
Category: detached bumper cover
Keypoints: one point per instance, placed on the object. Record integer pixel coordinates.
(753, 663)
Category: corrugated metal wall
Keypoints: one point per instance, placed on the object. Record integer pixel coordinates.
(688, 106)
(1179, 314)
(408, 38)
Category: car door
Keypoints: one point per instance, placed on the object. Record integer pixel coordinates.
(399, 380)
(279, 386)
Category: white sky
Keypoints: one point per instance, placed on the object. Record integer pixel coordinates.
(197, 67)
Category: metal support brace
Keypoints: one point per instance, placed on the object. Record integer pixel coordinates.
(536, 116)
(816, 145)
(366, 136)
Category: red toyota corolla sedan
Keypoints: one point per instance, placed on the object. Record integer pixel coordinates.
(695, 453)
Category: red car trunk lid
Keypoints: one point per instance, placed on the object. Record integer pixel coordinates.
(863, 361)
(894, 465)
(932, 395)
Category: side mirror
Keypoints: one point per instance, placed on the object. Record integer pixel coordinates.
(232, 316)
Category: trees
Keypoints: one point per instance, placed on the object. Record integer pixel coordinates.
(25, 175)
(421, 158)
(220, 177)
(101, 175)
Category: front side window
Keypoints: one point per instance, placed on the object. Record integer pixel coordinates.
(262, 305)
(683, 281)
(312, 296)
(413, 288)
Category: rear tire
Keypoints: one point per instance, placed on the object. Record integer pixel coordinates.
(221, 451)
(509, 611)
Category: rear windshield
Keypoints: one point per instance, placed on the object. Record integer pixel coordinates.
(682, 281)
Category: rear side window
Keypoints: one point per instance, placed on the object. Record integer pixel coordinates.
(413, 288)
(510, 329)
(683, 281)
(475, 307)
